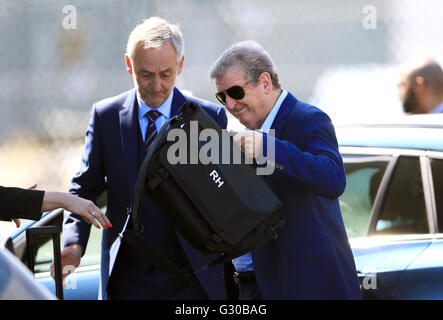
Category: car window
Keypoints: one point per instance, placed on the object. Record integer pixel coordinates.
(437, 177)
(363, 177)
(91, 257)
(403, 210)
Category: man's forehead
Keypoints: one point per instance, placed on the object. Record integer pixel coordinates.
(148, 70)
(154, 60)
(404, 78)
(233, 75)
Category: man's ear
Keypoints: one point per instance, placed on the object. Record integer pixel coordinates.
(419, 80)
(180, 66)
(266, 81)
(420, 84)
(128, 65)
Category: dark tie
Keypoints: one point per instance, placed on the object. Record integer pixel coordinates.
(151, 131)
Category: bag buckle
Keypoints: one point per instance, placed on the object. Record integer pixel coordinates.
(272, 228)
(236, 277)
(163, 172)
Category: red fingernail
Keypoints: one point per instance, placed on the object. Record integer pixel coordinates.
(110, 225)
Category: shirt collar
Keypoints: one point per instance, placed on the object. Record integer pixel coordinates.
(437, 109)
(266, 126)
(164, 108)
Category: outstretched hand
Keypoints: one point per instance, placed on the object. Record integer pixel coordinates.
(88, 211)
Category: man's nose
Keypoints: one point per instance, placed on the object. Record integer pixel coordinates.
(401, 93)
(156, 84)
(230, 103)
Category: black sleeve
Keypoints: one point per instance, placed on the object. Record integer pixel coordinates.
(20, 203)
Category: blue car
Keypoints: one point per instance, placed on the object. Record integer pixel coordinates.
(84, 283)
(17, 282)
(392, 209)
(393, 205)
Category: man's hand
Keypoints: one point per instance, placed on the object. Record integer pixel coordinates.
(250, 142)
(71, 256)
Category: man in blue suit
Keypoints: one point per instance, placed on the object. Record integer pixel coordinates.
(311, 258)
(119, 132)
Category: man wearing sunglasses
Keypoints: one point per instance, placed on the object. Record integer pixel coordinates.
(311, 258)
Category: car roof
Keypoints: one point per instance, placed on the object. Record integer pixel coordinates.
(423, 132)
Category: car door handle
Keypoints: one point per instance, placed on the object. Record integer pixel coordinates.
(45, 231)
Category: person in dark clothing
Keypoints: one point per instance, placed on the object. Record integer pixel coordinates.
(18, 203)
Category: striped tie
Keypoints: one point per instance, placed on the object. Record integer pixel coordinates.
(151, 131)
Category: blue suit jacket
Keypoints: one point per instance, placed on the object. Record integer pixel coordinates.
(311, 259)
(109, 162)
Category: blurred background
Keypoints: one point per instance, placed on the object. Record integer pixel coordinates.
(59, 57)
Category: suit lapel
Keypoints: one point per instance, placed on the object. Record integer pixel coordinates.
(128, 130)
(279, 122)
(177, 102)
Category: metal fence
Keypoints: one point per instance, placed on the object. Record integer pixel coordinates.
(58, 57)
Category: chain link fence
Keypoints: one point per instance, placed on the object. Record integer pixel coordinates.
(59, 57)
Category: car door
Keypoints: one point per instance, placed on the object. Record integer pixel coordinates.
(364, 174)
(388, 191)
(385, 195)
(402, 207)
(423, 278)
(84, 283)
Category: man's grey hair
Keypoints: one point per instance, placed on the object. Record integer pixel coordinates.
(155, 32)
(251, 58)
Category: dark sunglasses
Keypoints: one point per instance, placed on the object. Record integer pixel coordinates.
(235, 92)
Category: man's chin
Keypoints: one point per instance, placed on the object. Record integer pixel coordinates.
(154, 101)
(248, 123)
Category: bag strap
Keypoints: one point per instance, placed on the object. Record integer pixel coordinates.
(139, 186)
(133, 237)
(184, 112)
(163, 263)
(155, 257)
(220, 260)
